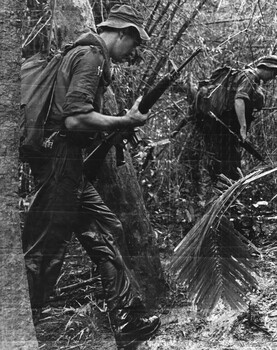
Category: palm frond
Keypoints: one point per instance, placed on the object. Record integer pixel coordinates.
(214, 260)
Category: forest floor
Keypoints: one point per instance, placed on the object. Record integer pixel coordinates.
(84, 326)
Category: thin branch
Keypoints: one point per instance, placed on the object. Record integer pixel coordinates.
(152, 16)
(231, 37)
(226, 21)
(26, 42)
(74, 286)
(187, 23)
(53, 10)
(102, 10)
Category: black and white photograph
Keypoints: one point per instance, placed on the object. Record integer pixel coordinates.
(138, 175)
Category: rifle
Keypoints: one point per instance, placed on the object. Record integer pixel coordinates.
(245, 144)
(93, 161)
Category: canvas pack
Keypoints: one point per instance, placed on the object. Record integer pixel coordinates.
(38, 78)
(214, 94)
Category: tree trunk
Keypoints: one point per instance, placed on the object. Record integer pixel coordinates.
(17, 330)
(119, 188)
(72, 18)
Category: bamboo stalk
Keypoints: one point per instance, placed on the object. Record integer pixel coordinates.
(152, 15)
(164, 11)
(163, 59)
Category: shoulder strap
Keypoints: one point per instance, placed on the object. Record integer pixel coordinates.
(53, 87)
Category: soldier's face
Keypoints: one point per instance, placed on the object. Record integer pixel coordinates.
(124, 47)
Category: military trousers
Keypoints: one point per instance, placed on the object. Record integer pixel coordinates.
(65, 202)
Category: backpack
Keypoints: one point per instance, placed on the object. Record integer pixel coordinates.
(38, 77)
(214, 94)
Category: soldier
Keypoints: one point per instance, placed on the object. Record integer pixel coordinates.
(66, 201)
(245, 96)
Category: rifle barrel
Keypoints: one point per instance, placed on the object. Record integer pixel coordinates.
(154, 94)
(244, 144)
(196, 52)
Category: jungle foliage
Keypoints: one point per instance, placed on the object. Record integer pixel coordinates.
(171, 161)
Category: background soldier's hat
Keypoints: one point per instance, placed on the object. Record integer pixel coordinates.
(267, 61)
(123, 16)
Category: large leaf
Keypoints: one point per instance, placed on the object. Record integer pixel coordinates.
(214, 260)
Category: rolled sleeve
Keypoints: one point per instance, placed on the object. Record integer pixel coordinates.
(244, 90)
(87, 71)
(247, 85)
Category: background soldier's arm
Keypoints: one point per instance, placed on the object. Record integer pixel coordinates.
(240, 111)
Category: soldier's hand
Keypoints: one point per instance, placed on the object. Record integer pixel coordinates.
(134, 115)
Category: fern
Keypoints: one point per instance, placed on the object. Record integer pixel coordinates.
(214, 260)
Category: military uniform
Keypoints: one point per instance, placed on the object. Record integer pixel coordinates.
(228, 154)
(65, 201)
(220, 142)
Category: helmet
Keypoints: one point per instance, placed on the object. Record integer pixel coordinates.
(267, 61)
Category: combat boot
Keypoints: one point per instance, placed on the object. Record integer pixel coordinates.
(130, 328)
